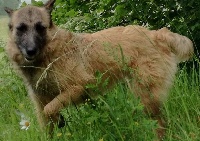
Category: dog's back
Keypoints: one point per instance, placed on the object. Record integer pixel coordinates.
(161, 40)
(137, 45)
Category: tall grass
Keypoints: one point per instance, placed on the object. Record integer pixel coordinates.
(182, 109)
(116, 116)
(3, 27)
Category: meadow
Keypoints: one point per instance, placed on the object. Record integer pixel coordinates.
(118, 116)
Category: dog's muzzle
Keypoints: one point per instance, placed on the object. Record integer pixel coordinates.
(31, 53)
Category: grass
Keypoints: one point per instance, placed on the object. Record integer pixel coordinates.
(117, 116)
(3, 28)
(182, 108)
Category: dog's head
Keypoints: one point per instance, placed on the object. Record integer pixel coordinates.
(28, 28)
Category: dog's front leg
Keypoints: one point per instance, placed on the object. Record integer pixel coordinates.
(71, 95)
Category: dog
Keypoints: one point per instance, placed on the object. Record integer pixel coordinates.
(57, 65)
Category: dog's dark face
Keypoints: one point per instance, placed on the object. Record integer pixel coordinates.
(28, 29)
(30, 32)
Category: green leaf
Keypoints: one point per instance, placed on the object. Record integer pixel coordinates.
(1, 49)
(72, 13)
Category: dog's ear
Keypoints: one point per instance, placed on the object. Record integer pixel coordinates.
(9, 11)
(49, 8)
(49, 5)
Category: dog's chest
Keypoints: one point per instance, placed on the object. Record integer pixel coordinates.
(42, 81)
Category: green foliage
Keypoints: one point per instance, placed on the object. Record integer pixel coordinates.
(106, 13)
(2, 45)
(23, 4)
(94, 15)
(100, 83)
(107, 120)
(33, 2)
(182, 109)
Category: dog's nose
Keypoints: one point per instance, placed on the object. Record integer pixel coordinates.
(31, 51)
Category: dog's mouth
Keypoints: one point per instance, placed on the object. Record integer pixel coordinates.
(29, 59)
(31, 53)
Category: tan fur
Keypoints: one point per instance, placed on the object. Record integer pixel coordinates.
(68, 62)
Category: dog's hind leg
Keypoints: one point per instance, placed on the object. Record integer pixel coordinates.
(151, 84)
(150, 97)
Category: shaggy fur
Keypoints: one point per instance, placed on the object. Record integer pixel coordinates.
(57, 65)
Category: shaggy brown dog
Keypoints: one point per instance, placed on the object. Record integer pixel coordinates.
(57, 65)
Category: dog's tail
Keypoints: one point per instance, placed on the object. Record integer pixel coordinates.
(180, 45)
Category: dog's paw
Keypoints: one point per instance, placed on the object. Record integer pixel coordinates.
(49, 110)
(61, 122)
(52, 108)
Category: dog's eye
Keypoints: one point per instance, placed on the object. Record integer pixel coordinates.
(39, 27)
(10, 26)
(22, 27)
